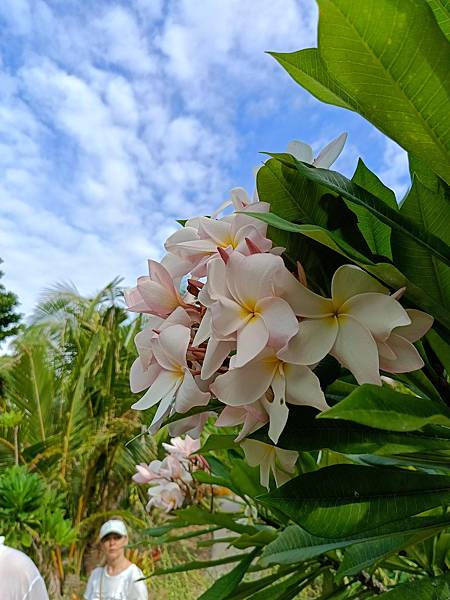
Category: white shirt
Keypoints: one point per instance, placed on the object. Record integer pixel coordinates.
(19, 576)
(116, 587)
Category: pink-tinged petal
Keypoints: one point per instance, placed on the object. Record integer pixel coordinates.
(300, 151)
(350, 280)
(141, 379)
(303, 301)
(259, 454)
(280, 321)
(174, 342)
(250, 341)
(227, 317)
(192, 425)
(249, 278)
(303, 387)
(164, 385)
(134, 301)
(244, 386)
(231, 416)
(157, 298)
(329, 154)
(277, 409)
(284, 465)
(314, 340)
(189, 395)
(215, 286)
(385, 351)
(408, 359)
(159, 274)
(216, 353)
(256, 417)
(356, 350)
(379, 313)
(421, 322)
(185, 234)
(196, 248)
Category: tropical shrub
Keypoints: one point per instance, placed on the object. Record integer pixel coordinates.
(316, 317)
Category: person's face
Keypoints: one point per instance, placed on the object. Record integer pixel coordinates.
(113, 546)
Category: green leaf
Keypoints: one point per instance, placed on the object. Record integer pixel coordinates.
(383, 408)
(198, 564)
(397, 72)
(429, 211)
(217, 441)
(294, 544)
(336, 501)
(308, 69)
(387, 273)
(262, 538)
(440, 348)
(194, 515)
(225, 585)
(441, 10)
(430, 588)
(376, 233)
(398, 221)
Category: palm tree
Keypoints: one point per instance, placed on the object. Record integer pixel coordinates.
(67, 387)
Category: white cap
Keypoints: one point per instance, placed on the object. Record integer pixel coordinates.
(113, 526)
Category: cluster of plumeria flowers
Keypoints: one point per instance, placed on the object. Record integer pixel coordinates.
(249, 333)
(170, 480)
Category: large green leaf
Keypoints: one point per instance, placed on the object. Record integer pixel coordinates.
(294, 544)
(441, 10)
(225, 585)
(376, 233)
(384, 408)
(308, 69)
(386, 272)
(351, 192)
(396, 71)
(430, 588)
(429, 210)
(341, 500)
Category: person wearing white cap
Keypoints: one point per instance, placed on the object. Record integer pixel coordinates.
(119, 578)
(19, 576)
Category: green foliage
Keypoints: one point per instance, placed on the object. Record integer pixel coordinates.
(9, 318)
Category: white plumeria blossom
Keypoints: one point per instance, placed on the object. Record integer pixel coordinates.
(182, 448)
(174, 385)
(166, 496)
(326, 157)
(348, 325)
(290, 384)
(197, 242)
(270, 459)
(251, 308)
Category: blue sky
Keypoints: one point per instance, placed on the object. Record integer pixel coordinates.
(117, 117)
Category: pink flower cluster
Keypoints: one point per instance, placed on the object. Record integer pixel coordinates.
(249, 333)
(170, 480)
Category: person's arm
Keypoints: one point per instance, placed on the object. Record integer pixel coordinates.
(89, 588)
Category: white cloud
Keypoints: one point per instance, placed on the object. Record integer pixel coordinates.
(395, 170)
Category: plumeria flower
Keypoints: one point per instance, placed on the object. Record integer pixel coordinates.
(174, 386)
(397, 353)
(327, 156)
(270, 459)
(182, 448)
(147, 473)
(145, 368)
(252, 416)
(250, 307)
(197, 242)
(166, 496)
(155, 294)
(348, 325)
(289, 384)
